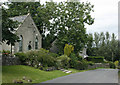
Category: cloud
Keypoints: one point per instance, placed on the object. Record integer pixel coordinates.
(106, 16)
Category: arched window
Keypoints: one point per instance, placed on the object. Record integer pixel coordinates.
(21, 43)
(29, 46)
(36, 43)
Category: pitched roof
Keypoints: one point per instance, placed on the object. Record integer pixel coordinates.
(19, 18)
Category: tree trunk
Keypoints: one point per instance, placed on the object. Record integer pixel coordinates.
(112, 56)
(11, 49)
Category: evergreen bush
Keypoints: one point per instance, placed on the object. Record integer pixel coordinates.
(112, 65)
(73, 60)
(96, 59)
(22, 57)
(82, 65)
(63, 61)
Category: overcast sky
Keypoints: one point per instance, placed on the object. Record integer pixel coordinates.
(105, 14)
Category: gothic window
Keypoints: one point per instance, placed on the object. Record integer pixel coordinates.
(29, 46)
(36, 43)
(21, 43)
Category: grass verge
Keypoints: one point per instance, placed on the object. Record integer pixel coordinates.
(119, 76)
(10, 73)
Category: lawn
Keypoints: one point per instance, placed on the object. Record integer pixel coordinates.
(10, 73)
(119, 76)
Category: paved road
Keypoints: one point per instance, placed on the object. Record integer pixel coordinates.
(92, 76)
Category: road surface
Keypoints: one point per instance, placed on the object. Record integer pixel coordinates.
(92, 76)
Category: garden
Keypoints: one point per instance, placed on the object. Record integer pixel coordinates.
(42, 65)
(65, 22)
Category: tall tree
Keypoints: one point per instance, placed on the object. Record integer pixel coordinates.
(90, 45)
(105, 46)
(69, 23)
(41, 15)
(113, 46)
(8, 27)
(64, 21)
(96, 39)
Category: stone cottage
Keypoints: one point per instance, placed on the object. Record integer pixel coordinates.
(30, 37)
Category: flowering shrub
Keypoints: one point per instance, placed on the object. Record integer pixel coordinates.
(63, 61)
(5, 53)
(38, 59)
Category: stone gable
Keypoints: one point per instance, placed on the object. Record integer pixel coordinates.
(27, 31)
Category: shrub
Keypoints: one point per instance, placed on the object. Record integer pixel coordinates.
(63, 61)
(82, 65)
(80, 58)
(118, 67)
(116, 64)
(44, 50)
(42, 57)
(38, 59)
(32, 58)
(22, 57)
(53, 55)
(112, 65)
(91, 63)
(73, 60)
(5, 52)
(96, 59)
(68, 49)
(46, 58)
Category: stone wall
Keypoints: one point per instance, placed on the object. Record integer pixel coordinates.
(8, 60)
(98, 65)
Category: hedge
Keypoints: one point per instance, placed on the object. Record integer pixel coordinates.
(96, 59)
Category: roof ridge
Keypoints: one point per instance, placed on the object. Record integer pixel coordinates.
(20, 15)
(20, 18)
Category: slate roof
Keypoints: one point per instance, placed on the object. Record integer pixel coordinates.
(19, 18)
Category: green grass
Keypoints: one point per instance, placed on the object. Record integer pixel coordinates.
(16, 72)
(119, 76)
(10, 73)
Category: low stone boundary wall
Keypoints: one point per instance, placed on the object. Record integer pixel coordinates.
(10, 60)
(98, 65)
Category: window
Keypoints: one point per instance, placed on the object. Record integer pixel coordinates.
(29, 46)
(21, 43)
(36, 43)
